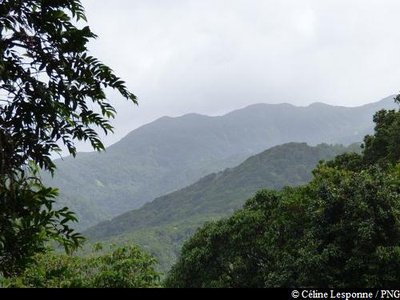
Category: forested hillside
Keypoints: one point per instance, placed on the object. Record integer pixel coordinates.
(162, 225)
(341, 230)
(171, 153)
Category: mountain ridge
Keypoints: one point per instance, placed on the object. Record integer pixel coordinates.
(173, 217)
(171, 153)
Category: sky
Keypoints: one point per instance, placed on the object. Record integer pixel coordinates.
(215, 56)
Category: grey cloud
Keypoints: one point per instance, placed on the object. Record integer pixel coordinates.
(212, 56)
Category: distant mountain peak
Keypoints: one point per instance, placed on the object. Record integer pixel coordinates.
(319, 104)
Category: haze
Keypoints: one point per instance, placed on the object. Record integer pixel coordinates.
(214, 56)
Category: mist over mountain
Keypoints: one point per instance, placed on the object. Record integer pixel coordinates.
(171, 153)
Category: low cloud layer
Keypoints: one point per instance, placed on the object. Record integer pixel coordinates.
(213, 56)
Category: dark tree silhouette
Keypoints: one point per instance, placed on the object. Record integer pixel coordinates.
(52, 92)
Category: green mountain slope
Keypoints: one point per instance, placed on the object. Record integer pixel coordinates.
(171, 153)
(162, 225)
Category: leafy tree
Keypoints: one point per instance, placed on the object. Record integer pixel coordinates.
(341, 230)
(349, 161)
(384, 146)
(354, 233)
(52, 92)
(28, 220)
(126, 267)
(237, 251)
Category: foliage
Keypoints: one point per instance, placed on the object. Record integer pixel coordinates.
(50, 92)
(340, 230)
(164, 242)
(383, 147)
(349, 161)
(355, 228)
(126, 267)
(46, 80)
(28, 221)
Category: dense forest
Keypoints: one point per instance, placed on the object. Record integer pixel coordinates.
(162, 225)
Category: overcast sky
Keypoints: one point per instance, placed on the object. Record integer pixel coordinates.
(214, 56)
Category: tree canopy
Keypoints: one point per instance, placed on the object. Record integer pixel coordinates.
(126, 267)
(341, 230)
(52, 93)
